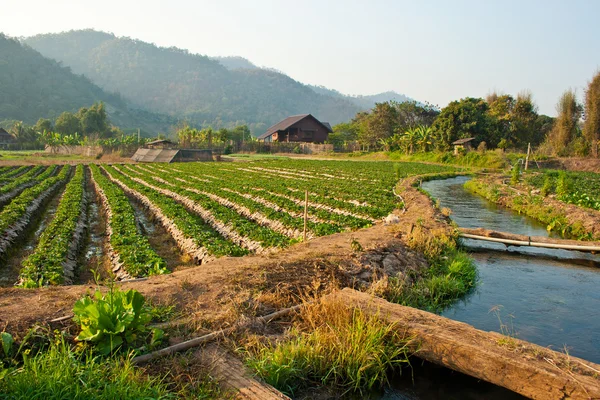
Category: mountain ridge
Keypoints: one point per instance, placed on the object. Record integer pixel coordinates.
(216, 91)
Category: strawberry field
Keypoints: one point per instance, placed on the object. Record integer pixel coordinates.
(579, 188)
(70, 224)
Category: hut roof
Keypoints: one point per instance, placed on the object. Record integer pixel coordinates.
(289, 121)
(463, 141)
(160, 141)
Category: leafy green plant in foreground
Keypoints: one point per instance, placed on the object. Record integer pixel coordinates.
(113, 320)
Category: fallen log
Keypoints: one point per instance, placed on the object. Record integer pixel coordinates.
(233, 375)
(524, 368)
(513, 239)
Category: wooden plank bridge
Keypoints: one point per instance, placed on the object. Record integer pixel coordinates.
(511, 239)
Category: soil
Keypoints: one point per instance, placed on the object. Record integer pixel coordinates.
(26, 245)
(218, 293)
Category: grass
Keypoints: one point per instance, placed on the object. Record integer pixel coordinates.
(451, 274)
(256, 156)
(333, 345)
(532, 206)
(489, 159)
(59, 373)
(36, 155)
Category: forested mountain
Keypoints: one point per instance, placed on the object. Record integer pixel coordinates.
(32, 87)
(195, 87)
(364, 102)
(235, 62)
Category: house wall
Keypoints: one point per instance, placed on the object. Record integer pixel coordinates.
(297, 132)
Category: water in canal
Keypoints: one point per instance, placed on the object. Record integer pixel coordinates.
(551, 302)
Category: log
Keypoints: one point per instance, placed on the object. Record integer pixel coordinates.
(233, 375)
(524, 368)
(524, 240)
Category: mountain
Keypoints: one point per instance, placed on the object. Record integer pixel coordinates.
(186, 85)
(364, 102)
(33, 87)
(234, 62)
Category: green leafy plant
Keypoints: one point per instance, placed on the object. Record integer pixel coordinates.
(113, 320)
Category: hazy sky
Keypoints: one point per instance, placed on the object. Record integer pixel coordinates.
(434, 51)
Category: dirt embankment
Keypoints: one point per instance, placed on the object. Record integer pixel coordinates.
(572, 164)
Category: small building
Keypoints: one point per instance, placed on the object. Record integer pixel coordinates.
(6, 139)
(302, 128)
(171, 155)
(161, 144)
(464, 144)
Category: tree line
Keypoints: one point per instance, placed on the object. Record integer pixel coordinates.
(89, 125)
(498, 121)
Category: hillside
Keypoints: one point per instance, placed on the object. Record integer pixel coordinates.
(192, 86)
(235, 62)
(365, 102)
(33, 87)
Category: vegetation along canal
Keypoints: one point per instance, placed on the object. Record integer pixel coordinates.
(524, 292)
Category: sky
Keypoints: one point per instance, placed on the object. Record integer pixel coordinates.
(435, 51)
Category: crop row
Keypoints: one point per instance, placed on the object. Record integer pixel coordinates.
(191, 226)
(224, 219)
(48, 264)
(579, 188)
(226, 193)
(10, 174)
(24, 179)
(15, 217)
(341, 213)
(133, 256)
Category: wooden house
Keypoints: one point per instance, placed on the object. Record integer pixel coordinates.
(161, 144)
(6, 139)
(464, 144)
(302, 128)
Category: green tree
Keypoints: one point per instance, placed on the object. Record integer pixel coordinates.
(565, 129)
(513, 120)
(412, 114)
(23, 133)
(94, 120)
(380, 123)
(240, 134)
(43, 125)
(591, 126)
(67, 124)
(344, 133)
(461, 119)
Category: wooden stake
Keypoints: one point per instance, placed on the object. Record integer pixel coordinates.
(305, 212)
(527, 158)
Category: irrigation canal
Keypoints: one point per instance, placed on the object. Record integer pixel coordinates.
(545, 296)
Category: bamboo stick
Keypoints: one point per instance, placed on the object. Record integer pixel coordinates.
(211, 336)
